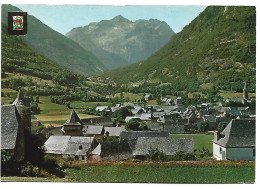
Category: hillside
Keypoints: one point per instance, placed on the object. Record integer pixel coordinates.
(57, 47)
(19, 60)
(219, 47)
(120, 42)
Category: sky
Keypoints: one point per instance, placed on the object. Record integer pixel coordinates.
(63, 18)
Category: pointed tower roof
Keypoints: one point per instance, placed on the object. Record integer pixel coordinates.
(245, 86)
(20, 101)
(73, 119)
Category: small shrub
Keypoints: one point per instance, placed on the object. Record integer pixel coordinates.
(50, 162)
(28, 170)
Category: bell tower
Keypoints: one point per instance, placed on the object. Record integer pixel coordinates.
(245, 94)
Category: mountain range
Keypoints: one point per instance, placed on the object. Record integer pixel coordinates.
(120, 42)
(217, 47)
(56, 46)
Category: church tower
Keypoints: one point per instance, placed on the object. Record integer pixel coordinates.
(245, 94)
(23, 108)
(73, 125)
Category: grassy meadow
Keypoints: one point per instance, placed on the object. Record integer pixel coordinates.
(226, 95)
(164, 173)
(55, 114)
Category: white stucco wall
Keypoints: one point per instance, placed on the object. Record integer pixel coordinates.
(216, 152)
(232, 153)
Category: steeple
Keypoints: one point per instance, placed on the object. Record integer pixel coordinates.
(245, 92)
(20, 101)
(73, 126)
(73, 119)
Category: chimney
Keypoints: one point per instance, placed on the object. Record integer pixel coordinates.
(216, 135)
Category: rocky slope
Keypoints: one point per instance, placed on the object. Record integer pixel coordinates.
(119, 42)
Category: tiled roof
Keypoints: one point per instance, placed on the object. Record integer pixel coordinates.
(114, 131)
(238, 133)
(93, 130)
(73, 145)
(168, 145)
(129, 135)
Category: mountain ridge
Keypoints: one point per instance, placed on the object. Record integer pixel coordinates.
(56, 46)
(119, 42)
(217, 47)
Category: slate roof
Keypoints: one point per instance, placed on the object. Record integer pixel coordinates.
(168, 145)
(158, 114)
(97, 120)
(10, 121)
(130, 135)
(93, 130)
(146, 116)
(238, 133)
(114, 131)
(73, 119)
(68, 145)
(56, 144)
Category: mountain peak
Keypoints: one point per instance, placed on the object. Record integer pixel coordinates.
(120, 18)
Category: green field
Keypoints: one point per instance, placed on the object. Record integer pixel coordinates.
(226, 95)
(131, 96)
(79, 104)
(200, 140)
(163, 174)
(55, 114)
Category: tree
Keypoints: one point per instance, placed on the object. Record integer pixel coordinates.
(203, 126)
(122, 112)
(252, 104)
(35, 109)
(132, 125)
(221, 127)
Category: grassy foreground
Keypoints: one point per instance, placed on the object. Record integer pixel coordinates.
(164, 173)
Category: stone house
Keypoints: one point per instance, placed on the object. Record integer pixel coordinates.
(12, 132)
(236, 142)
(113, 131)
(77, 147)
(16, 127)
(93, 130)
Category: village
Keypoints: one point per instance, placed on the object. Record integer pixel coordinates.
(143, 133)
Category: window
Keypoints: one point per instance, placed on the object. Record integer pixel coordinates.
(254, 152)
(80, 147)
(83, 158)
(220, 150)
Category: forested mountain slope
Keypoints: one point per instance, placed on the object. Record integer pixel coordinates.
(219, 47)
(56, 46)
